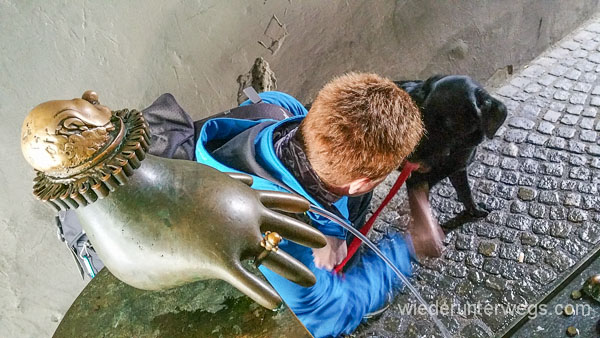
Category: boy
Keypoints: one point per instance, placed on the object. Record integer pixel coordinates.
(358, 130)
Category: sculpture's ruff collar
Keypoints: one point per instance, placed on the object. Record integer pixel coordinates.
(102, 172)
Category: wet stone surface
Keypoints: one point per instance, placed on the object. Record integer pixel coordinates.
(538, 178)
(585, 318)
(108, 307)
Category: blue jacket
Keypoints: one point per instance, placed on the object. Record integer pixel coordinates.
(335, 304)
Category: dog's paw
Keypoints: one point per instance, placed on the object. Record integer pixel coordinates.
(477, 211)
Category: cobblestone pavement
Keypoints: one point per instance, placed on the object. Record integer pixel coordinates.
(538, 178)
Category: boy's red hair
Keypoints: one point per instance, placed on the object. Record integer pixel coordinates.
(360, 125)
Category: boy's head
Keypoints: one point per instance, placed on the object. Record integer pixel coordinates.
(358, 130)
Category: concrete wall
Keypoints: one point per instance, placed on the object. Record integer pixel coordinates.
(132, 51)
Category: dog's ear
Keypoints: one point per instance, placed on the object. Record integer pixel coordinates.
(430, 81)
(413, 88)
(418, 90)
(493, 114)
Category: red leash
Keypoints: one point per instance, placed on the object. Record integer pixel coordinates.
(406, 170)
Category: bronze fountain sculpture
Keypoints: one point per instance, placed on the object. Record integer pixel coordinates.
(159, 223)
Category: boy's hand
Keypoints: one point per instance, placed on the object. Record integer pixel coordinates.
(331, 254)
(427, 235)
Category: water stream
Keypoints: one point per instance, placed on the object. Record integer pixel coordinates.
(332, 217)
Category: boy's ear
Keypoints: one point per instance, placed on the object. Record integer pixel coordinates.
(360, 186)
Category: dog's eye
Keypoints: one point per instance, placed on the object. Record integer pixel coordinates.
(487, 103)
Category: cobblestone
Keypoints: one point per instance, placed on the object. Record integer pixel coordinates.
(518, 222)
(497, 217)
(589, 233)
(590, 112)
(495, 283)
(488, 249)
(577, 147)
(537, 210)
(510, 251)
(595, 101)
(546, 127)
(568, 185)
(552, 116)
(557, 106)
(521, 123)
(509, 163)
(527, 180)
(593, 149)
(587, 188)
(526, 194)
(577, 160)
(533, 88)
(530, 110)
(582, 87)
(527, 150)
(457, 256)
(543, 276)
(547, 182)
(561, 95)
(509, 235)
(465, 242)
(560, 229)
(572, 200)
(557, 143)
(548, 79)
(578, 98)
(588, 136)
(492, 265)
(575, 109)
(528, 238)
(540, 227)
(569, 120)
(458, 270)
(532, 255)
(575, 247)
(557, 156)
(577, 216)
(558, 213)
(580, 173)
(538, 178)
(559, 260)
(563, 84)
(590, 202)
(566, 132)
(588, 77)
(548, 197)
(509, 177)
(514, 135)
(510, 149)
(537, 139)
(474, 260)
(558, 70)
(587, 123)
(554, 169)
(505, 192)
(518, 207)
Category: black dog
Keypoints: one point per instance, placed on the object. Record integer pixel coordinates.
(458, 113)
